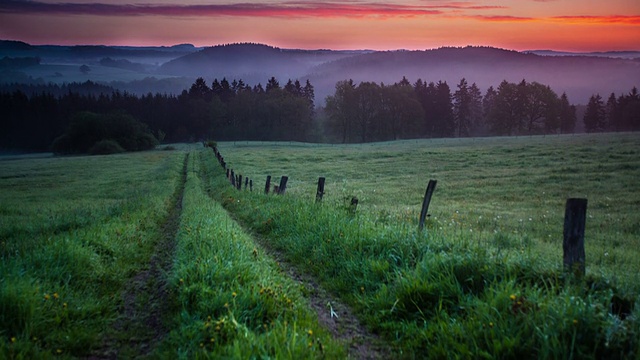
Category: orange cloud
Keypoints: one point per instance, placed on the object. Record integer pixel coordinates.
(610, 19)
(499, 18)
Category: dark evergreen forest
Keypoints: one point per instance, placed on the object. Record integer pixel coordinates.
(33, 116)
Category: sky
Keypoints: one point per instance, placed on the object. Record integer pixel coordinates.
(563, 25)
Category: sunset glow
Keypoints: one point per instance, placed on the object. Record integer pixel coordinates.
(570, 25)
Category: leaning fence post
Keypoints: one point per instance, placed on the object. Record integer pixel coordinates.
(425, 203)
(573, 244)
(267, 185)
(283, 185)
(246, 182)
(320, 191)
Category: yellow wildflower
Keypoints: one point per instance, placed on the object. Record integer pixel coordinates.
(512, 297)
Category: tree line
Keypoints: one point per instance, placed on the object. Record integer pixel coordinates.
(33, 117)
(378, 112)
(618, 114)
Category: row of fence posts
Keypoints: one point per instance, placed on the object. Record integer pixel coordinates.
(574, 218)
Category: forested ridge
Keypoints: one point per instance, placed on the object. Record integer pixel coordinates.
(34, 116)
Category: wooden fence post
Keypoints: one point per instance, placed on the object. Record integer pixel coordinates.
(239, 182)
(251, 185)
(233, 178)
(354, 205)
(320, 191)
(267, 185)
(283, 185)
(246, 183)
(425, 203)
(573, 244)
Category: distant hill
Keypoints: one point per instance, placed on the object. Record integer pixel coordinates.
(79, 54)
(254, 63)
(10, 45)
(578, 76)
(611, 54)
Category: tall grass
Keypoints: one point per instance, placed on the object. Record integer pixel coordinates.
(232, 300)
(508, 193)
(485, 280)
(73, 231)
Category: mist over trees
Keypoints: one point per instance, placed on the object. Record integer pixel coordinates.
(33, 117)
(223, 110)
(378, 112)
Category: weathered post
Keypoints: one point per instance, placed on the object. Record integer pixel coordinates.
(251, 185)
(267, 185)
(228, 173)
(573, 245)
(283, 185)
(246, 183)
(239, 182)
(320, 191)
(425, 203)
(233, 178)
(354, 205)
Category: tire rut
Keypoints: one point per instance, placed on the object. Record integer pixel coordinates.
(333, 314)
(145, 300)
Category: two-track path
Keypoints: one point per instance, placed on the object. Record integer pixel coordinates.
(140, 328)
(145, 299)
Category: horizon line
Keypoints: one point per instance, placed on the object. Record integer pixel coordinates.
(201, 47)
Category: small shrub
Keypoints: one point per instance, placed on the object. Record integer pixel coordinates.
(87, 129)
(211, 144)
(146, 141)
(106, 147)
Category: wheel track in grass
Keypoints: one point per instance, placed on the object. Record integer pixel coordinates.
(333, 314)
(145, 299)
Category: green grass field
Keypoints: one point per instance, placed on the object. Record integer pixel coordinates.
(504, 192)
(484, 280)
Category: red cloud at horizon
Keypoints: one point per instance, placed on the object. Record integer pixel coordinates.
(608, 19)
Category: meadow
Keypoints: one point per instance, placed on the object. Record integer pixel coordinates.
(74, 231)
(483, 280)
(506, 193)
(81, 237)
